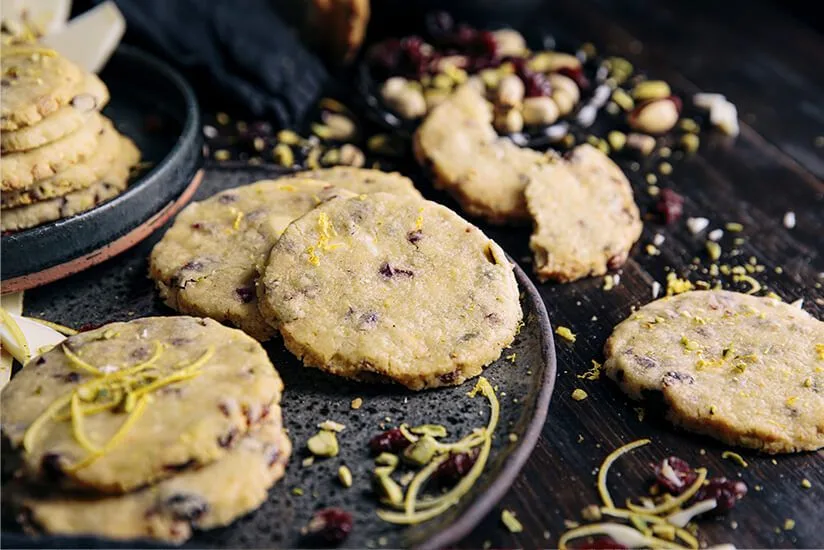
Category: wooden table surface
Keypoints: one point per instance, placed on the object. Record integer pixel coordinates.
(770, 65)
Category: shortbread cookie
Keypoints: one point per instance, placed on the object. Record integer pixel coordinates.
(207, 263)
(741, 369)
(111, 149)
(36, 82)
(132, 403)
(75, 202)
(21, 170)
(67, 119)
(585, 217)
(363, 180)
(485, 173)
(390, 288)
(204, 498)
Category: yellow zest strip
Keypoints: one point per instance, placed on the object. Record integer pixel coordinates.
(612, 457)
(675, 502)
(200, 361)
(171, 379)
(93, 409)
(76, 361)
(418, 482)
(35, 426)
(136, 413)
(54, 326)
(404, 429)
(8, 51)
(77, 426)
(622, 534)
(23, 353)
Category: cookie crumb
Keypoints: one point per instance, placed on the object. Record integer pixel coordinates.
(789, 524)
(789, 220)
(565, 333)
(697, 225)
(357, 403)
(579, 395)
(805, 483)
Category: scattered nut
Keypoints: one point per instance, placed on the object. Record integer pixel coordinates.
(434, 98)
(564, 101)
(490, 78)
(288, 137)
(408, 103)
(455, 61)
(651, 89)
(540, 111)
(689, 143)
(623, 99)
(341, 127)
(345, 476)
(642, 143)
(330, 157)
(389, 488)
(656, 116)
(324, 443)
(509, 122)
(510, 91)
(350, 155)
(476, 83)
(283, 155)
(441, 82)
(550, 62)
(421, 451)
(689, 125)
(619, 69)
(393, 87)
(562, 82)
(617, 140)
(384, 144)
(510, 43)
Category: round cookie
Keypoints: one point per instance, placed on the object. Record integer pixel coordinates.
(67, 119)
(207, 262)
(80, 175)
(485, 173)
(388, 288)
(739, 368)
(75, 202)
(585, 217)
(363, 180)
(196, 387)
(205, 498)
(22, 169)
(36, 82)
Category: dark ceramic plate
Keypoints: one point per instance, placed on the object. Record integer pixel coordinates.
(119, 290)
(153, 105)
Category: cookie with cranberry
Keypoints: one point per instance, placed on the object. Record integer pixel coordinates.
(584, 215)
(390, 288)
(36, 82)
(363, 180)
(129, 404)
(485, 173)
(739, 368)
(206, 263)
(92, 97)
(205, 498)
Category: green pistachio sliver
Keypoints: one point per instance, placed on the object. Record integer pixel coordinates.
(330, 157)
(331, 426)
(421, 451)
(651, 89)
(435, 430)
(288, 137)
(324, 444)
(345, 476)
(623, 99)
(511, 522)
(386, 459)
(283, 155)
(321, 130)
(389, 489)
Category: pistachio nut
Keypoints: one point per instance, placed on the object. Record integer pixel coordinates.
(509, 122)
(510, 43)
(617, 140)
(564, 101)
(351, 155)
(409, 103)
(392, 87)
(655, 116)
(341, 127)
(641, 143)
(623, 99)
(510, 91)
(550, 62)
(651, 89)
(345, 476)
(421, 451)
(283, 155)
(454, 61)
(435, 430)
(540, 111)
(323, 443)
(689, 143)
(565, 83)
(442, 82)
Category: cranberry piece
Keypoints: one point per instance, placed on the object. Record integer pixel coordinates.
(679, 477)
(601, 543)
(332, 525)
(390, 441)
(670, 205)
(454, 468)
(487, 43)
(385, 55)
(576, 74)
(465, 36)
(537, 85)
(726, 492)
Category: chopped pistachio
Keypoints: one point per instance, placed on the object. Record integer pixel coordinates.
(579, 395)
(330, 157)
(324, 444)
(435, 430)
(651, 89)
(689, 125)
(384, 144)
(617, 140)
(331, 426)
(651, 178)
(789, 524)
(714, 250)
(421, 451)
(313, 158)
(332, 105)
(565, 333)
(308, 461)
(623, 99)
(389, 488)
(297, 491)
(283, 155)
(340, 127)
(386, 459)
(805, 483)
(689, 143)
(665, 168)
(345, 476)
(357, 403)
(288, 137)
(511, 522)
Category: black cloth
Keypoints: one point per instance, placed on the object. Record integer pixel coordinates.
(241, 49)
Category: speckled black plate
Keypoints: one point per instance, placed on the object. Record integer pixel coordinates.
(153, 105)
(119, 290)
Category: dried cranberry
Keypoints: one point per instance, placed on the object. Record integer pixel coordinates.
(670, 205)
(601, 543)
(537, 85)
(487, 44)
(390, 441)
(674, 475)
(89, 326)
(455, 467)
(576, 74)
(331, 525)
(726, 492)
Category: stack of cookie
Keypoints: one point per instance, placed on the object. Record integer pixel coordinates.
(362, 277)
(145, 429)
(60, 156)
